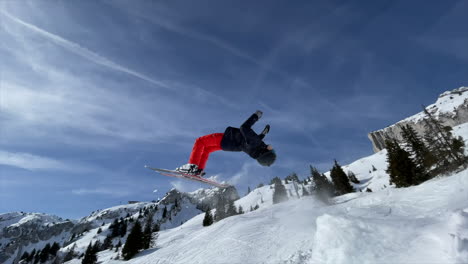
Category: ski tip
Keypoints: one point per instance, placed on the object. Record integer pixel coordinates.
(146, 166)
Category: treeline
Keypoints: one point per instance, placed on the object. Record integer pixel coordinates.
(47, 254)
(340, 182)
(417, 158)
(224, 208)
(126, 235)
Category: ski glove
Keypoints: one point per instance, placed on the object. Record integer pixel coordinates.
(266, 130)
(259, 113)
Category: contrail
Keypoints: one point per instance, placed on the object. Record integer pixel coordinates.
(84, 52)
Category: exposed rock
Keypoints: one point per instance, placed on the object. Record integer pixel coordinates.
(451, 109)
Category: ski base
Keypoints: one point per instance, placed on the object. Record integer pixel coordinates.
(180, 175)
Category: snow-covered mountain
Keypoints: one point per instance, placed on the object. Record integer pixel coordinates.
(421, 224)
(451, 108)
(25, 232)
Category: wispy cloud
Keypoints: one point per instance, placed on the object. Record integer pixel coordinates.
(31, 162)
(101, 191)
(84, 52)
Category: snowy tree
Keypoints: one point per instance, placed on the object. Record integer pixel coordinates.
(352, 177)
(292, 177)
(208, 219)
(147, 232)
(90, 256)
(340, 180)
(279, 193)
(134, 242)
(71, 254)
(231, 209)
(304, 191)
(44, 256)
(421, 154)
(122, 228)
(240, 210)
(107, 244)
(449, 151)
(323, 187)
(164, 214)
(402, 170)
(54, 249)
(220, 209)
(25, 256)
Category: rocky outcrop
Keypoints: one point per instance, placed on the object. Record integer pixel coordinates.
(451, 109)
(39, 228)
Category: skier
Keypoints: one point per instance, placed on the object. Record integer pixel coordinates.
(233, 139)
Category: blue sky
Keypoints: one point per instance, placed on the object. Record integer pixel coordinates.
(91, 91)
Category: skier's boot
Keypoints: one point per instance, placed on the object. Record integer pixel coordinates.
(200, 173)
(190, 169)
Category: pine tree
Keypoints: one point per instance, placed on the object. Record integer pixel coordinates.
(31, 256)
(156, 228)
(231, 208)
(304, 191)
(352, 177)
(115, 227)
(107, 244)
(443, 143)
(123, 228)
(37, 257)
(90, 256)
(292, 177)
(71, 254)
(402, 170)
(240, 210)
(340, 180)
(279, 193)
(134, 242)
(248, 190)
(164, 214)
(54, 249)
(276, 180)
(208, 220)
(423, 158)
(220, 209)
(24, 256)
(147, 233)
(323, 187)
(97, 246)
(45, 253)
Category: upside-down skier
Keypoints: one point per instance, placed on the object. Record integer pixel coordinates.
(233, 139)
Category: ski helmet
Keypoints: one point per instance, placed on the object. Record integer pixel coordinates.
(267, 158)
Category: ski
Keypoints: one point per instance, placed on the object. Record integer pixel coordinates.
(180, 175)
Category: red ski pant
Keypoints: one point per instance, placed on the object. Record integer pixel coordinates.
(203, 147)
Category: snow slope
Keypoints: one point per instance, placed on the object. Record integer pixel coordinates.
(422, 224)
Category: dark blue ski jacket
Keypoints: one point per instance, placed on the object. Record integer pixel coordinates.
(244, 139)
